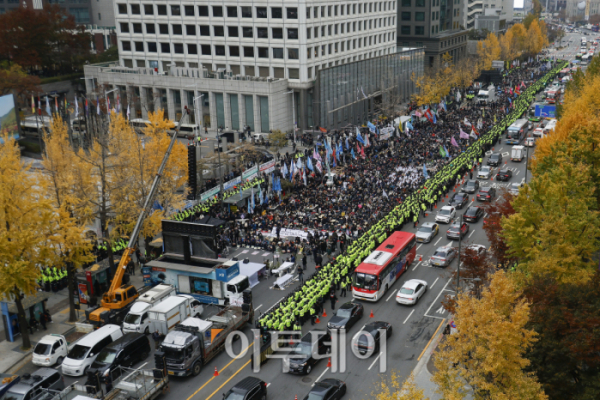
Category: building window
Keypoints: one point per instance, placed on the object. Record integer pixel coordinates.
(151, 46)
(232, 12)
(404, 16)
(218, 31)
(277, 52)
(177, 29)
(135, 9)
(277, 33)
(276, 13)
(124, 27)
(335, 10)
(405, 29)
(148, 9)
(204, 30)
(190, 30)
(307, 12)
(189, 11)
(419, 3)
(161, 9)
(234, 51)
(293, 54)
(126, 46)
(246, 12)
(206, 50)
(262, 33)
(248, 51)
(99, 17)
(419, 16)
(151, 29)
(293, 73)
(219, 50)
(263, 52)
(163, 29)
(178, 47)
(203, 11)
(308, 31)
(247, 32)
(122, 8)
(419, 30)
(292, 13)
(176, 10)
(232, 31)
(192, 49)
(264, 113)
(217, 11)
(137, 28)
(165, 47)
(292, 33)
(261, 12)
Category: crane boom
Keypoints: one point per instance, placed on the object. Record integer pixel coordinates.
(118, 278)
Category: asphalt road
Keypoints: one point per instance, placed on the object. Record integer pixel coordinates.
(413, 326)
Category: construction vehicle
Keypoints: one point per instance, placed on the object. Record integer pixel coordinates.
(119, 298)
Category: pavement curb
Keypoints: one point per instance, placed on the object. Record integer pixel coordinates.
(429, 349)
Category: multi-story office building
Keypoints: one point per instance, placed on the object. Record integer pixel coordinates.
(434, 25)
(503, 9)
(252, 64)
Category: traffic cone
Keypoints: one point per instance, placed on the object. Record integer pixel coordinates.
(435, 205)
(317, 321)
(420, 257)
(329, 363)
(216, 372)
(296, 397)
(371, 316)
(324, 313)
(426, 214)
(454, 190)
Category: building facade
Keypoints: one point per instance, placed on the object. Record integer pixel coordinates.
(253, 64)
(502, 9)
(434, 25)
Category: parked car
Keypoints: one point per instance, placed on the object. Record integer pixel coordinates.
(473, 214)
(457, 231)
(86, 349)
(471, 186)
(249, 388)
(486, 193)
(459, 200)
(364, 343)
(130, 349)
(411, 291)
(446, 214)
(504, 175)
(514, 188)
(327, 389)
(51, 349)
(443, 256)
(427, 232)
(346, 316)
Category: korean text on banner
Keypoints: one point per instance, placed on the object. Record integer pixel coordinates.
(250, 174)
(267, 167)
(209, 193)
(228, 185)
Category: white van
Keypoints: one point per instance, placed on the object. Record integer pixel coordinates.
(85, 350)
(172, 310)
(137, 319)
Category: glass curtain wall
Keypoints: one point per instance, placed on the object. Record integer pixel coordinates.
(235, 112)
(264, 114)
(249, 102)
(220, 110)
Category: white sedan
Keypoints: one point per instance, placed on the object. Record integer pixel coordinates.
(411, 291)
(484, 173)
(446, 214)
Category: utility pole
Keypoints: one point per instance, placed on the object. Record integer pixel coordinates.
(459, 246)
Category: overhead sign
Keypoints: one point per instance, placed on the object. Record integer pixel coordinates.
(497, 64)
(267, 167)
(545, 111)
(228, 185)
(210, 193)
(250, 174)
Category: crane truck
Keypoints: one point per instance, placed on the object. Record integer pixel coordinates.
(119, 298)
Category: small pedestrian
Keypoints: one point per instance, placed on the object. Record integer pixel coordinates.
(304, 261)
(332, 298)
(43, 321)
(300, 275)
(344, 288)
(156, 338)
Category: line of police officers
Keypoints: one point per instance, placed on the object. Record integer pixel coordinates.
(53, 279)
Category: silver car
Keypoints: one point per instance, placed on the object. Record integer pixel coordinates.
(484, 172)
(427, 232)
(446, 214)
(514, 188)
(411, 292)
(443, 256)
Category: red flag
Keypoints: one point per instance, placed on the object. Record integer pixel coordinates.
(429, 115)
(323, 129)
(475, 130)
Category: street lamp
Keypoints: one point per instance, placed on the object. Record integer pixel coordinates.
(197, 109)
(526, 162)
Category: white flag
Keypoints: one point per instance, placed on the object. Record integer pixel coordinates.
(128, 112)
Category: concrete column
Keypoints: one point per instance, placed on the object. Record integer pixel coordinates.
(227, 110)
(143, 102)
(257, 121)
(213, 111)
(242, 108)
(156, 100)
(301, 117)
(171, 104)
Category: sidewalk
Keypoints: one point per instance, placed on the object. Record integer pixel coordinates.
(13, 358)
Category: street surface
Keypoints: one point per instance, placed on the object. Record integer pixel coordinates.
(413, 326)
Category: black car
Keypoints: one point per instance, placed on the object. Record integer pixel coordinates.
(473, 214)
(362, 343)
(504, 175)
(459, 200)
(495, 159)
(327, 389)
(123, 352)
(454, 232)
(249, 388)
(346, 316)
(486, 193)
(301, 360)
(471, 186)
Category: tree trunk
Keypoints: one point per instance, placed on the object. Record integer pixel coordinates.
(71, 292)
(23, 324)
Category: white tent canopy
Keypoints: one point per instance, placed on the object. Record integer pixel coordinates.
(251, 271)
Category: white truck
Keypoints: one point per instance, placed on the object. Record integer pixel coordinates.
(487, 95)
(137, 319)
(517, 153)
(172, 310)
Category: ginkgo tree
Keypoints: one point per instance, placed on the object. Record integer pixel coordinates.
(485, 359)
(393, 388)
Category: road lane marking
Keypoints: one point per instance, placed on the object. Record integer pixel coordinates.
(518, 172)
(436, 299)
(435, 244)
(258, 307)
(388, 299)
(320, 376)
(472, 233)
(207, 382)
(411, 313)
(434, 282)
(374, 361)
(268, 384)
(419, 246)
(417, 265)
(230, 378)
(428, 343)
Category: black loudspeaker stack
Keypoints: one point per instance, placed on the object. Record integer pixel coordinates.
(192, 184)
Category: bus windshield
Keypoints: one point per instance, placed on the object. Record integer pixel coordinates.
(365, 281)
(513, 133)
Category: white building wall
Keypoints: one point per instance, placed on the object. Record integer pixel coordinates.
(103, 12)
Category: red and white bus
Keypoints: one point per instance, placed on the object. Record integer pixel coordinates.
(378, 272)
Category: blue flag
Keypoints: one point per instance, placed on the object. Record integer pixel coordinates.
(359, 138)
(447, 152)
(347, 145)
(425, 174)
(434, 119)
(309, 164)
(352, 152)
(371, 127)
(409, 126)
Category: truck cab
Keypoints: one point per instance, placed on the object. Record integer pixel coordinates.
(487, 95)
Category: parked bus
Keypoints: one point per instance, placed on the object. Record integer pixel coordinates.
(378, 272)
(516, 132)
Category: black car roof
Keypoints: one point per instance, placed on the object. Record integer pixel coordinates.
(321, 387)
(125, 340)
(247, 383)
(375, 325)
(486, 188)
(348, 306)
